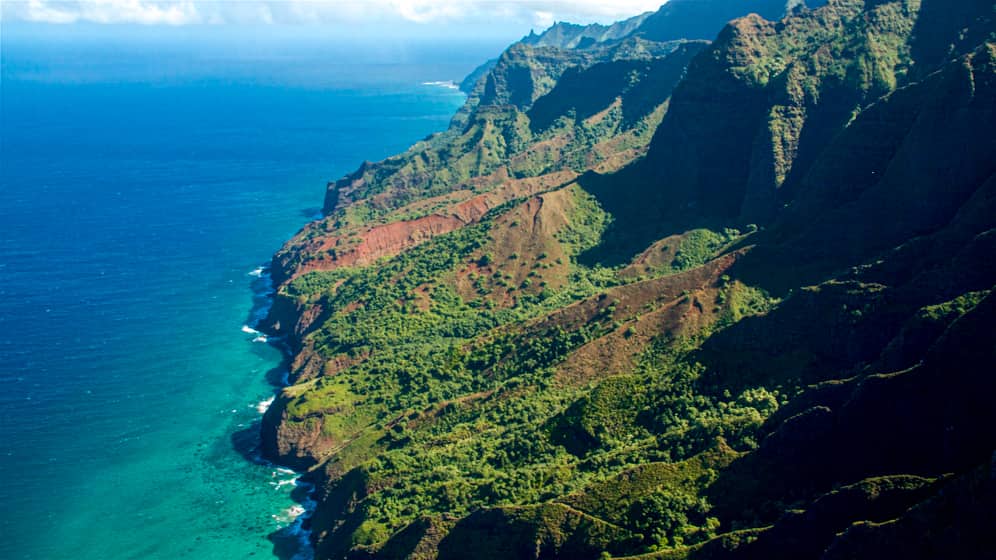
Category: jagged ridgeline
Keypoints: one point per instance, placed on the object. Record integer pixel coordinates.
(659, 297)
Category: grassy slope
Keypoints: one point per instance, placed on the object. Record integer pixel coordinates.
(564, 372)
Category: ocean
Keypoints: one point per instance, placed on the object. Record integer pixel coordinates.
(146, 177)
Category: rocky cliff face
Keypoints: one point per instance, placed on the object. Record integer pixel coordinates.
(666, 300)
(768, 96)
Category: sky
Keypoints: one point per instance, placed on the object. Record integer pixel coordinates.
(476, 16)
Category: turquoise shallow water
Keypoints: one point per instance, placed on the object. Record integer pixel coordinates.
(142, 182)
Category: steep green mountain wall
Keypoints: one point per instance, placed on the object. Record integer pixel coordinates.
(666, 300)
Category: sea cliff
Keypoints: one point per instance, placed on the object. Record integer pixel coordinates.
(661, 297)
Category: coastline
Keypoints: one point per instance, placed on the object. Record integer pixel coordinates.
(128, 364)
(283, 323)
(293, 541)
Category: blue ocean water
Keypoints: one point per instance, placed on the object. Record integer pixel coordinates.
(143, 179)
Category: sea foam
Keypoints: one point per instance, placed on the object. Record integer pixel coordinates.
(262, 406)
(290, 514)
(448, 84)
(277, 485)
(297, 528)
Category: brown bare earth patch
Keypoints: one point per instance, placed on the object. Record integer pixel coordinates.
(641, 297)
(307, 364)
(524, 254)
(341, 362)
(618, 351)
(659, 255)
(547, 149)
(614, 161)
(600, 116)
(356, 246)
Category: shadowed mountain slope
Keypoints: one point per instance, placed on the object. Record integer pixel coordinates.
(666, 299)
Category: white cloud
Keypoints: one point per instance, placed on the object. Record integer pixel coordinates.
(543, 19)
(427, 11)
(107, 11)
(264, 14)
(37, 10)
(539, 13)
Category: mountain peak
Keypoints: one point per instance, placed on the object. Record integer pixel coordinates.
(665, 298)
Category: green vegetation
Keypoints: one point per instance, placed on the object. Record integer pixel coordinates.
(456, 410)
(953, 309)
(599, 362)
(492, 132)
(699, 246)
(588, 223)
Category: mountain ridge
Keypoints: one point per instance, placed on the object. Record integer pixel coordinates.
(640, 300)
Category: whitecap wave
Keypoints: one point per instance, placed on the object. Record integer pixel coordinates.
(294, 511)
(249, 330)
(277, 485)
(448, 84)
(262, 406)
(257, 272)
(290, 514)
(293, 520)
(261, 338)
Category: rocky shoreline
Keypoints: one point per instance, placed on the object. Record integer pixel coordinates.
(639, 351)
(286, 320)
(305, 489)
